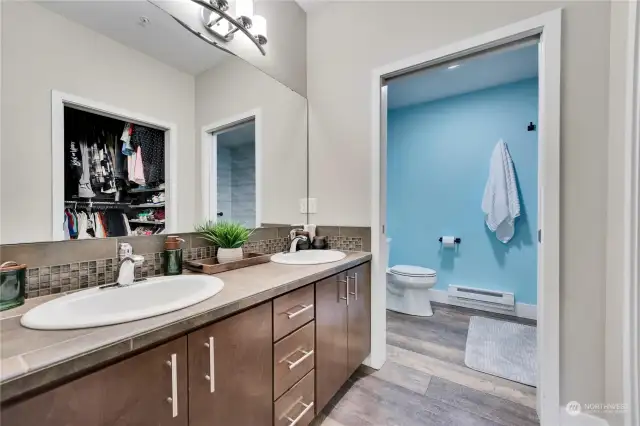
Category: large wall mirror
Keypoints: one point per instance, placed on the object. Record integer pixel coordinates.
(122, 118)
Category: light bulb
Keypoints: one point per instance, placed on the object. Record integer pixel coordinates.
(259, 26)
(244, 8)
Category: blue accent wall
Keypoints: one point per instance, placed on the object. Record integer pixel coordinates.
(438, 163)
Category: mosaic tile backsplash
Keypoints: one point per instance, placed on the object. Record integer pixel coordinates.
(345, 243)
(55, 279)
(46, 280)
(63, 266)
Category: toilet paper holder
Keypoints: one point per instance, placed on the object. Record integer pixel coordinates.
(456, 240)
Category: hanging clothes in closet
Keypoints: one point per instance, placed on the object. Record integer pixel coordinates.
(112, 161)
(80, 224)
(151, 147)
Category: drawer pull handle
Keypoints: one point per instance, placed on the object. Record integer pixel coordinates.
(347, 289)
(173, 399)
(305, 308)
(294, 364)
(355, 290)
(211, 377)
(307, 407)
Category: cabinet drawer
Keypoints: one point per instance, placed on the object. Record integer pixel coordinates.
(293, 357)
(292, 310)
(297, 405)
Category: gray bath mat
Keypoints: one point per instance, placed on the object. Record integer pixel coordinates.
(503, 349)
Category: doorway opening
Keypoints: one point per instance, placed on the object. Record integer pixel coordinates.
(236, 174)
(542, 188)
(231, 170)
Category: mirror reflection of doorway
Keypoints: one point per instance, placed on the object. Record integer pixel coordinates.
(236, 174)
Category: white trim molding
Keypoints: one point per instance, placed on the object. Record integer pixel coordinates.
(209, 166)
(58, 101)
(631, 305)
(547, 27)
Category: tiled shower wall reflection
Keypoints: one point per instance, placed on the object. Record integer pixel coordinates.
(59, 267)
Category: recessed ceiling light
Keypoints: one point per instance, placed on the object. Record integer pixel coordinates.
(453, 67)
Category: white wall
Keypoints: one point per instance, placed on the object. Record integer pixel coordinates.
(235, 87)
(286, 58)
(615, 214)
(42, 51)
(338, 87)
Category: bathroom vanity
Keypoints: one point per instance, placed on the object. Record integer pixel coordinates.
(271, 348)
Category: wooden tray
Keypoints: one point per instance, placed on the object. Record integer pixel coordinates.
(211, 266)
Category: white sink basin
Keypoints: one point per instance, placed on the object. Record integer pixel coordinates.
(96, 307)
(308, 257)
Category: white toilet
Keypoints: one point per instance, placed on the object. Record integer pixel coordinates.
(407, 289)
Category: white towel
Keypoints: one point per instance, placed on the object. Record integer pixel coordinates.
(500, 203)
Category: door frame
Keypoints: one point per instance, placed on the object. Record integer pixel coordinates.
(209, 166)
(58, 101)
(631, 291)
(548, 27)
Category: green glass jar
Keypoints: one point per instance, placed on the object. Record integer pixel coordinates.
(173, 262)
(12, 285)
(173, 255)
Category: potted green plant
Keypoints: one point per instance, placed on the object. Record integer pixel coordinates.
(228, 236)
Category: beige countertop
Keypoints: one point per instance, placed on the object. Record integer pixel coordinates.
(30, 359)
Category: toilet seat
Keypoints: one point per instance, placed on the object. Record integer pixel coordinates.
(412, 271)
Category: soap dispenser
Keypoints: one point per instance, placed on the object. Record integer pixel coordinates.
(173, 255)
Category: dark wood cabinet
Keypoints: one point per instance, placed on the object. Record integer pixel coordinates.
(147, 389)
(231, 371)
(343, 329)
(225, 373)
(331, 337)
(359, 314)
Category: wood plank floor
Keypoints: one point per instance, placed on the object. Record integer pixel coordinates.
(425, 380)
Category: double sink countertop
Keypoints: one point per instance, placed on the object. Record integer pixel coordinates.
(31, 359)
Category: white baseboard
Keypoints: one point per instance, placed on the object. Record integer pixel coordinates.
(582, 419)
(523, 310)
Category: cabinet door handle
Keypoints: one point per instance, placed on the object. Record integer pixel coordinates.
(299, 311)
(173, 399)
(211, 377)
(347, 292)
(355, 287)
(294, 364)
(307, 407)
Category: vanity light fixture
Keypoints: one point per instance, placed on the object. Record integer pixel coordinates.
(223, 24)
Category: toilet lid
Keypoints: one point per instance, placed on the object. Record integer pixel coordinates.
(413, 271)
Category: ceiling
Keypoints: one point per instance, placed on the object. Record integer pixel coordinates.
(162, 38)
(476, 73)
(310, 5)
(240, 135)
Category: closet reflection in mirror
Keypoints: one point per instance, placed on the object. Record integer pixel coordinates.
(114, 177)
(99, 102)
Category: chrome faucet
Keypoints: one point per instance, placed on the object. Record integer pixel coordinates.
(126, 271)
(294, 243)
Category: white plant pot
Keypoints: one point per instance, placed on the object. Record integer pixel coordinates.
(226, 255)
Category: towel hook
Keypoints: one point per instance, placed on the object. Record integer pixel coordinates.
(531, 127)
